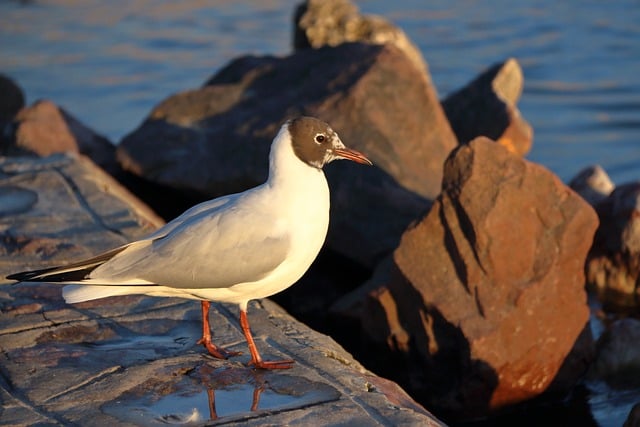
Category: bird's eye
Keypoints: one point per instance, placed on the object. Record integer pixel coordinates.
(320, 138)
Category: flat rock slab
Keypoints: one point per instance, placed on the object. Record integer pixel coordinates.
(62, 208)
(134, 360)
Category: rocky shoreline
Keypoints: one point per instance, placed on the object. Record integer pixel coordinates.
(454, 267)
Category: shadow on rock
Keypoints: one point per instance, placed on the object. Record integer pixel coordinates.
(434, 362)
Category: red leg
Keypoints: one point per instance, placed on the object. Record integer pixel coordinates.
(256, 360)
(213, 350)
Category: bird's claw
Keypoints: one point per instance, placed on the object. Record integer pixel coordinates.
(217, 352)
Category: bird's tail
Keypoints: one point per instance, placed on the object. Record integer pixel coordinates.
(75, 272)
(78, 293)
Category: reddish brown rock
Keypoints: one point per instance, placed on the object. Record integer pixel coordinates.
(44, 129)
(215, 140)
(41, 129)
(486, 298)
(487, 107)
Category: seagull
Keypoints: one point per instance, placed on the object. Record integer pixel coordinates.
(231, 249)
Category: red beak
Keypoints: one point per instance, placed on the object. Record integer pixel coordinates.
(353, 155)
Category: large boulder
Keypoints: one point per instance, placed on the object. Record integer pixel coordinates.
(484, 299)
(215, 140)
(487, 106)
(320, 23)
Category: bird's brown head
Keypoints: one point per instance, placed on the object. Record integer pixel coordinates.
(315, 143)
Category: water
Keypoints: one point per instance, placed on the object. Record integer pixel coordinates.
(109, 63)
(209, 395)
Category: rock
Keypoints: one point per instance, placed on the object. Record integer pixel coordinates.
(62, 208)
(613, 265)
(41, 129)
(593, 184)
(487, 107)
(44, 129)
(485, 297)
(633, 420)
(134, 360)
(215, 140)
(11, 99)
(320, 23)
(617, 359)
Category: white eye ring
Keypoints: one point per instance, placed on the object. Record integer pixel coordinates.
(320, 138)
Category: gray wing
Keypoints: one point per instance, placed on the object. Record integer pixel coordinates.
(212, 248)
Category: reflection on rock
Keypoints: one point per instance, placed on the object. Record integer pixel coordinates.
(209, 392)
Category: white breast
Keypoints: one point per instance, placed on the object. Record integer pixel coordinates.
(299, 195)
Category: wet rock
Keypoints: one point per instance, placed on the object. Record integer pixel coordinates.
(215, 140)
(320, 23)
(140, 365)
(618, 355)
(484, 299)
(11, 99)
(593, 184)
(44, 129)
(613, 265)
(487, 107)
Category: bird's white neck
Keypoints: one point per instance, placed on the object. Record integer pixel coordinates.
(287, 170)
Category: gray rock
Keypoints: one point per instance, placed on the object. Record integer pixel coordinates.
(320, 23)
(134, 360)
(63, 207)
(593, 184)
(215, 140)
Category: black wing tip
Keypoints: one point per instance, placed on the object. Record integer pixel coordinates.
(25, 276)
(66, 273)
(51, 275)
(16, 276)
